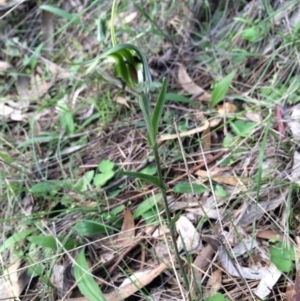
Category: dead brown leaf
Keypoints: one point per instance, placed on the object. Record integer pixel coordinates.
(227, 108)
(269, 234)
(14, 281)
(189, 86)
(222, 179)
(201, 262)
(126, 237)
(123, 101)
(214, 283)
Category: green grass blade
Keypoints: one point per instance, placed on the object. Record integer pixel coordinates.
(61, 13)
(51, 242)
(138, 175)
(221, 89)
(156, 115)
(146, 205)
(17, 237)
(86, 282)
(147, 16)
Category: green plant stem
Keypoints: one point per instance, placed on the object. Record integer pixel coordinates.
(112, 26)
(171, 225)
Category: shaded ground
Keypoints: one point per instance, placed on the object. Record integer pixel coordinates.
(66, 137)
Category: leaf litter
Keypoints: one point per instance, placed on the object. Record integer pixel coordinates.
(252, 208)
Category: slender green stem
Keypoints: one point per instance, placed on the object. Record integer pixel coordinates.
(171, 225)
(112, 25)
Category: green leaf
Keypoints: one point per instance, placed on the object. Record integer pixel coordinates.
(17, 237)
(35, 270)
(66, 118)
(242, 128)
(149, 170)
(51, 242)
(186, 188)
(220, 191)
(228, 140)
(85, 281)
(250, 34)
(138, 175)
(6, 158)
(216, 297)
(106, 166)
(84, 182)
(102, 178)
(90, 228)
(156, 115)
(61, 13)
(221, 88)
(283, 255)
(173, 97)
(147, 205)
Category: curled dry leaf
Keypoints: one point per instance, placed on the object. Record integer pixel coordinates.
(190, 87)
(227, 108)
(189, 238)
(122, 101)
(222, 179)
(253, 116)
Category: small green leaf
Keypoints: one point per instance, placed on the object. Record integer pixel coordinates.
(35, 270)
(106, 166)
(186, 188)
(138, 175)
(250, 34)
(42, 188)
(149, 170)
(228, 140)
(17, 237)
(91, 228)
(156, 115)
(102, 178)
(242, 128)
(283, 255)
(221, 88)
(6, 158)
(85, 281)
(220, 191)
(84, 182)
(51, 242)
(216, 297)
(147, 205)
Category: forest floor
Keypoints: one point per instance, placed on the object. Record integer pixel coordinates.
(74, 227)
